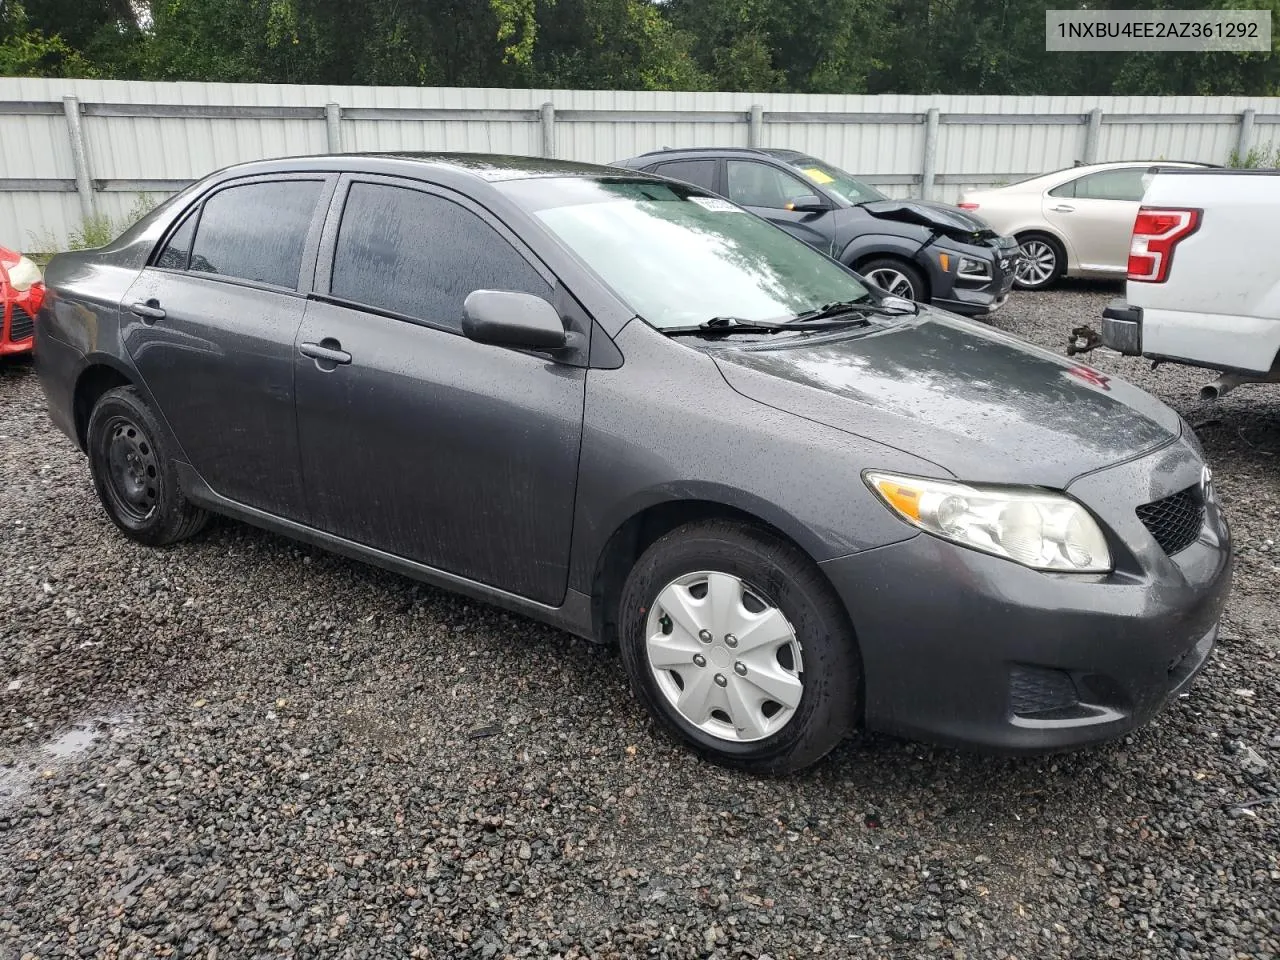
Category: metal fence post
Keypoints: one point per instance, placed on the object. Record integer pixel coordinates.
(333, 126)
(1091, 135)
(755, 126)
(79, 155)
(929, 163)
(1245, 143)
(549, 130)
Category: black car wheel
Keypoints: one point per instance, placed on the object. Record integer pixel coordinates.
(133, 473)
(736, 643)
(1042, 261)
(894, 276)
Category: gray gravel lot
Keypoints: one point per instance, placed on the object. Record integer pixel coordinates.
(241, 747)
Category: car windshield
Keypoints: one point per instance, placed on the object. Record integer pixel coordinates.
(678, 257)
(833, 179)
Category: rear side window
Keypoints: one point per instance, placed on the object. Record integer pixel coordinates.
(256, 231)
(700, 173)
(1123, 184)
(420, 255)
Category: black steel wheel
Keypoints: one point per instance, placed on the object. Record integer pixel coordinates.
(133, 474)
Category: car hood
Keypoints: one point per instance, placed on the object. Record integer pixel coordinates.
(983, 405)
(936, 216)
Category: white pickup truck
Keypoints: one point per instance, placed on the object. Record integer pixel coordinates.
(1204, 276)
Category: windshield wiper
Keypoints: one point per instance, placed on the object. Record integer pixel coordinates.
(842, 308)
(723, 326)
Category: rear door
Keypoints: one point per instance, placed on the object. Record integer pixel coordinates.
(1096, 213)
(418, 441)
(211, 323)
(766, 190)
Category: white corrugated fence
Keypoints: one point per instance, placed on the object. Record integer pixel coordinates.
(70, 149)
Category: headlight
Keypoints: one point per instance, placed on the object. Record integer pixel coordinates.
(1036, 528)
(23, 274)
(971, 269)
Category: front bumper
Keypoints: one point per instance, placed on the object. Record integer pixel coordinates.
(969, 297)
(964, 648)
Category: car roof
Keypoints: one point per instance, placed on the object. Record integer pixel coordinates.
(1054, 178)
(490, 167)
(674, 152)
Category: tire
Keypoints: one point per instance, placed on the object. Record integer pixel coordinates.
(132, 469)
(888, 267)
(1049, 255)
(771, 578)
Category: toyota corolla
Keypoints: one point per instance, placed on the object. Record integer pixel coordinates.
(626, 407)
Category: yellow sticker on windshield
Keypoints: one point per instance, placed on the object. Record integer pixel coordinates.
(817, 176)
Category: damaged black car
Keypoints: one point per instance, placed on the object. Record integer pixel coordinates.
(930, 252)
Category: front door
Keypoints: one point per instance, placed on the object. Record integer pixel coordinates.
(210, 324)
(416, 440)
(766, 190)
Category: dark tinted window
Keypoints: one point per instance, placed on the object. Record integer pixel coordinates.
(175, 252)
(701, 173)
(420, 255)
(256, 231)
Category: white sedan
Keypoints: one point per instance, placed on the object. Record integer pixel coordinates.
(1074, 222)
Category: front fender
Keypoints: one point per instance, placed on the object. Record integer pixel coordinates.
(880, 244)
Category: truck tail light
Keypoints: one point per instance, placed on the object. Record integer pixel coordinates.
(1156, 231)
(967, 205)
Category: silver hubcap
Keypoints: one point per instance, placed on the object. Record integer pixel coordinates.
(896, 282)
(724, 656)
(1037, 264)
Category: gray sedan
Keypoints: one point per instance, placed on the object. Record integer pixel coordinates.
(625, 407)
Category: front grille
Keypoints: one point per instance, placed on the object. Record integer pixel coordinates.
(1039, 690)
(1175, 520)
(21, 326)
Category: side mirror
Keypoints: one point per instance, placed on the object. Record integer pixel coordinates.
(808, 204)
(509, 319)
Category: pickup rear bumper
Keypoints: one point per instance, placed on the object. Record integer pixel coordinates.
(1122, 328)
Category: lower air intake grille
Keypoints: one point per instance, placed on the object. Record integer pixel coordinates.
(21, 326)
(1034, 690)
(1175, 520)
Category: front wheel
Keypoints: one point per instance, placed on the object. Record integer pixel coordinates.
(738, 646)
(894, 276)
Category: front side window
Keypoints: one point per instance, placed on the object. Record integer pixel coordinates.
(753, 184)
(419, 255)
(834, 180)
(256, 231)
(677, 257)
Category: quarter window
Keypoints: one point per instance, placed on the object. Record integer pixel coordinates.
(176, 252)
(419, 255)
(256, 231)
(753, 184)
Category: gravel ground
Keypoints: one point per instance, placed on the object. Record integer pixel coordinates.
(241, 747)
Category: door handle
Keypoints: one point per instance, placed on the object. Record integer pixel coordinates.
(1062, 208)
(150, 311)
(328, 349)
